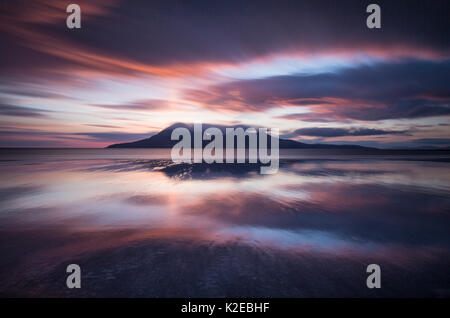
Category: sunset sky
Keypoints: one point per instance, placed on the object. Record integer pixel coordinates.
(312, 69)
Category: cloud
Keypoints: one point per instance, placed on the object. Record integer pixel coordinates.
(384, 90)
(141, 105)
(312, 117)
(170, 37)
(18, 192)
(20, 111)
(103, 126)
(114, 136)
(341, 132)
(433, 141)
(38, 138)
(309, 117)
(31, 93)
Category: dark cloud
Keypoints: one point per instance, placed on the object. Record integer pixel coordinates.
(433, 141)
(414, 108)
(168, 32)
(309, 117)
(31, 93)
(113, 136)
(33, 138)
(27, 143)
(103, 126)
(341, 132)
(388, 90)
(140, 105)
(20, 111)
(17, 192)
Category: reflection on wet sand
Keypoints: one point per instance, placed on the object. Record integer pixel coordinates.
(157, 229)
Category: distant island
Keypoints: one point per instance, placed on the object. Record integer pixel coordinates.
(163, 140)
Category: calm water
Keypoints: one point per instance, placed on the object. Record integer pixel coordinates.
(141, 226)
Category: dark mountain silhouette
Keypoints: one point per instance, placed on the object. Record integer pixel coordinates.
(163, 140)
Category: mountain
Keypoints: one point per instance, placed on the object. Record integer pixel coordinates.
(163, 140)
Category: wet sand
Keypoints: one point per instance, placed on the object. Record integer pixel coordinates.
(148, 228)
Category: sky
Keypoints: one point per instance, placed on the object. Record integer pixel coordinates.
(312, 69)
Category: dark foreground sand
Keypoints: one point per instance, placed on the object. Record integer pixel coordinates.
(191, 267)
